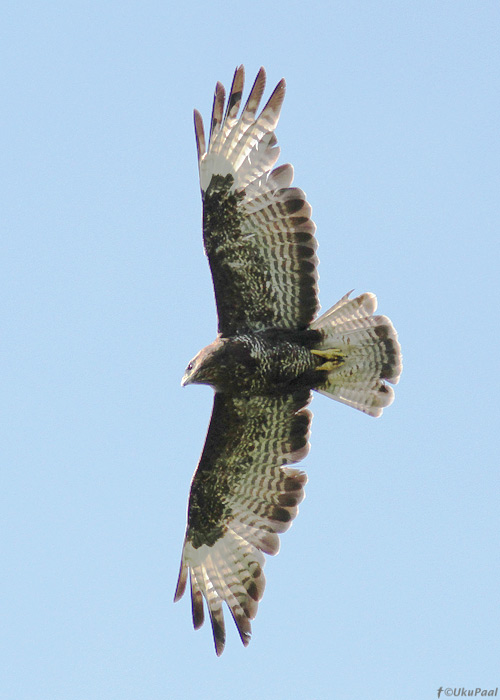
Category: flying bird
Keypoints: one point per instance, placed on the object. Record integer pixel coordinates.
(270, 352)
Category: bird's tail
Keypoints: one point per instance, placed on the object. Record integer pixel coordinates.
(359, 353)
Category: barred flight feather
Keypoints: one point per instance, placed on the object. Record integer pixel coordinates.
(275, 270)
(259, 503)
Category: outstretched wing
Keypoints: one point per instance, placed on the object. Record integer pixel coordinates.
(242, 496)
(257, 230)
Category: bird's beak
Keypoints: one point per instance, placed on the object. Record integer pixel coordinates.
(185, 380)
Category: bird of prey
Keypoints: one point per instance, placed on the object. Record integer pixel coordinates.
(270, 352)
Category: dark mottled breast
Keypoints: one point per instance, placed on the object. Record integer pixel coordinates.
(268, 363)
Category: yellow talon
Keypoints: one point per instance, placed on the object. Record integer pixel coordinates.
(327, 354)
(334, 358)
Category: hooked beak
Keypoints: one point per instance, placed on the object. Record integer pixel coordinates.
(185, 380)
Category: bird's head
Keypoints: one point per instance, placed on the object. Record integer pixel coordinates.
(204, 367)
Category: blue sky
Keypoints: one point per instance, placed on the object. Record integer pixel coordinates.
(387, 583)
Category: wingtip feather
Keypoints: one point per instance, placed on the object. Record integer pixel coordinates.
(199, 135)
(181, 581)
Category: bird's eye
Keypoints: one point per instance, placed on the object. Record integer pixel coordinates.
(190, 367)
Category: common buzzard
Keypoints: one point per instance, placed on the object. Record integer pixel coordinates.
(270, 352)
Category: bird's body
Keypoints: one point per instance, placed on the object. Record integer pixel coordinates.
(271, 351)
(260, 363)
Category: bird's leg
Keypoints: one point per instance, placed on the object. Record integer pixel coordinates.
(334, 358)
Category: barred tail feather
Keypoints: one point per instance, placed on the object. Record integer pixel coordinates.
(360, 353)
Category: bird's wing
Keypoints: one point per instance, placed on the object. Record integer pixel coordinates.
(242, 495)
(257, 230)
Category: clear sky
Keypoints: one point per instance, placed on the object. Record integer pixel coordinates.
(387, 585)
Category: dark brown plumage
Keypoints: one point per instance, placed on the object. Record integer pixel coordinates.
(268, 356)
